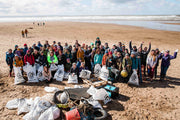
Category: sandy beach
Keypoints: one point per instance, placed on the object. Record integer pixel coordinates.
(156, 100)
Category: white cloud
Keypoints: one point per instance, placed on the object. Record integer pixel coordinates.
(77, 7)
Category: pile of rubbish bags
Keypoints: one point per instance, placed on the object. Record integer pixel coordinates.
(76, 103)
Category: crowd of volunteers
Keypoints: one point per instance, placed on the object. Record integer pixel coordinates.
(78, 57)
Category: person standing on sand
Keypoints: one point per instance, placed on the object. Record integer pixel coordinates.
(97, 41)
(165, 63)
(151, 64)
(9, 61)
(26, 32)
(22, 32)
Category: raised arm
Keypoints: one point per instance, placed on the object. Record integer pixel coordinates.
(173, 57)
(130, 46)
(149, 48)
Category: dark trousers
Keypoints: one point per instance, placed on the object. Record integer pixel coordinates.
(11, 68)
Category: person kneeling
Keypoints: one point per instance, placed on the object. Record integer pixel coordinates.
(47, 74)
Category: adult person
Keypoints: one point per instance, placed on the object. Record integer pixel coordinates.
(97, 41)
(144, 55)
(26, 32)
(157, 52)
(80, 54)
(52, 59)
(36, 56)
(74, 70)
(22, 33)
(118, 61)
(46, 44)
(59, 46)
(87, 58)
(165, 63)
(25, 48)
(42, 59)
(9, 61)
(110, 62)
(74, 55)
(127, 63)
(98, 57)
(151, 64)
(134, 60)
(29, 58)
(39, 44)
(93, 52)
(132, 49)
(15, 48)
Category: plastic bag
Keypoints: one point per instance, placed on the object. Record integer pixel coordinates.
(97, 70)
(38, 107)
(40, 74)
(115, 71)
(31, 74)
(59, 75)
(94, 103)
(36, 66)
(24, 105)
(66, 75)
(92, 90)
(134, 78)
(53, 67)
(18, 76)
(104, 74)
(51, 113)
(51, 89)
(72, 79)
(102, 94)
(12, 104)
(85, 74)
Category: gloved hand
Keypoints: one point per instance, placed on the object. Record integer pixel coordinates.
(33, 65)
(176, 50)
(162, 51)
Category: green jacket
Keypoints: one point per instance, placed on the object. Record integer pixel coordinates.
(50, 61)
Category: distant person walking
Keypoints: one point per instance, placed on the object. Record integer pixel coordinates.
(26, 32)
(22, 32)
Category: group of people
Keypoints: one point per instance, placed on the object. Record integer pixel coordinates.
(24, 33)
(84, 57)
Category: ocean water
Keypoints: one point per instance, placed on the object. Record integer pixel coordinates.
(152, 22)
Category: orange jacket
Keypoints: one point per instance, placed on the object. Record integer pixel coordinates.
(104, 59)
(80, 54)
(18, 63)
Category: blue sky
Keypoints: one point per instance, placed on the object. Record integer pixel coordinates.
(89, 7)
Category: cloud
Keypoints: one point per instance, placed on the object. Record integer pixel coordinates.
(92, 7)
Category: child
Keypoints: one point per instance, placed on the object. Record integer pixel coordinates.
(68, 65)
(74, 71)
(47, 74)
(98, 57)
(17, 61)
(82, 67)
(79, 63)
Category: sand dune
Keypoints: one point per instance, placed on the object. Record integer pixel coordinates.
(157, 100)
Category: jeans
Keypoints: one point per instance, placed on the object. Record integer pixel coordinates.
(151, 72)
(92, 66)
(164, 70)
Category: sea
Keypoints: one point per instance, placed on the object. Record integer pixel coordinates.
(146, 21)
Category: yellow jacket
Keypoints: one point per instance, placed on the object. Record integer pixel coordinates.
(18, 63)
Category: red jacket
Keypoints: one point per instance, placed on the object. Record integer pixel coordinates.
(29, 59)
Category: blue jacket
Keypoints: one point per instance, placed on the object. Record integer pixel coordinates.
(98, 59)
(25, 50)
(9, 58)
(134, 63)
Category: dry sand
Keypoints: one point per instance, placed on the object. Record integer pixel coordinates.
(157, 100)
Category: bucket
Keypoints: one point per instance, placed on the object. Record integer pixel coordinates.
(73, 115)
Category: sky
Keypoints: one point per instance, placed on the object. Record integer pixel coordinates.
(89, 7)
